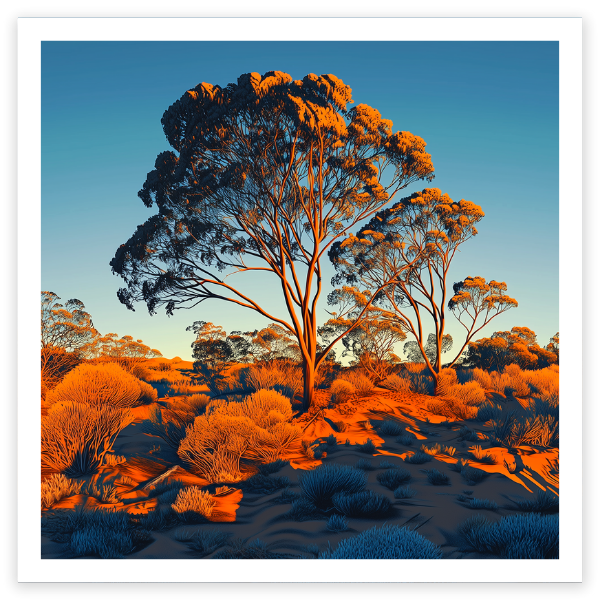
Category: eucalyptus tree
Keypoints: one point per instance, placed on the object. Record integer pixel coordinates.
(418, 238)
(264, 176)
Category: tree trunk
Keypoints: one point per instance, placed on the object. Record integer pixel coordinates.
(308, 373)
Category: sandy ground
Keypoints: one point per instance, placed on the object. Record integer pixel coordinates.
(435, 511)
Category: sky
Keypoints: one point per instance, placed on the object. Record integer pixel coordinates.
(488, 112)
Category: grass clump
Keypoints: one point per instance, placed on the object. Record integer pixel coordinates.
(471, 475)
(545, 502)
(467, 435)
(488, 411)
(418, 458)
(302, 510)
(529, 536)
(386, 464)
(273, 467)
(396, 383)
(341, 390)
(480, 455)
(331, 440)
(337, 523)
(368, 447)
(321, 484)
(386, 542)
(404, 493)
(406, 439)
(393, 478)
(479, 504)
(364, 464)
(204, 541)
(365, 504)
(193, 503)
(390, 428)
(57, 487)
(262, 484)
(436, 477)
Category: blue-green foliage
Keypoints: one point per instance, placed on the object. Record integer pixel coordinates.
(368, 447)
(388, 541)
(386, 464)
(321, 484)
(481, 504)
(362, 504)
(436, 477)
(159, 519)
(468, 435)
(406, 439)
(390, 428)
(364, 464)
(418, 458)
(404, 493)
(488, 411)
(392, 478)
(331, 440)
(262, 484)
(531, 536)
(472, 475)
(546, 502)
(337, 523)
(302, 510)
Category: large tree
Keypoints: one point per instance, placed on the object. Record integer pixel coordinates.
(423, 232)
(266, 174)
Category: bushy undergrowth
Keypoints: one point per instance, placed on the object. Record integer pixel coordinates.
(75, 437)
(105, 384)
(529, 536)
(365, 504)
(393, 478)
(436, 477)
(385, 542)
(404, 493)
(273, 467)
(395, 383)
(204, 541)
(418, 458)
(406, 439)
(488, 411)
(341, 390)
(368, 447)
(390, 428)
(284, 377)
(57, 487)
(302, 510)
(545, 502)
(337, 523)
(321, 484)
(530, 429)
(361, 382)
(193, 502)
(263, 484)
(364, 464)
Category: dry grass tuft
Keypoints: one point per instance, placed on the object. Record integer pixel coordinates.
(362, 384)
(341, 390)
(57, 487)
(194, 499)
(396, 383)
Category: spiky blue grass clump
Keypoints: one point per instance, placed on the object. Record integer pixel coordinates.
(273, 467)
(204, 541)
(404, 493)
(159, 519)
(393, 478)
(481, 504)
(362, 504)
(418, 458)
(390, 428)
(468, 435)
(331, 440)
(302, 510)
(364, 464)
(286, 497)
(321, 484)
(105, 543)
(546, 502)
(386, 464)
(368, 447)
(388, 541)
(262, 484)
(532, 536)
(488, 411)
(436, 477)
(406, 439)
(337, 523)
(473, 476)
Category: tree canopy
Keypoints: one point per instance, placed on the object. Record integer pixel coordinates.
(266, 174)
(418, 237)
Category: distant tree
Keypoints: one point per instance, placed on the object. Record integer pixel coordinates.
(66, 326)
(120, 349)
(267, 173)
(517, 346)
(210, 346)
(371, 343)
(423, 232)
(413, 351)
(553, 346)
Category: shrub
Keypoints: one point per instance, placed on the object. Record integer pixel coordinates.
(406, 439)
(341, 390)
(436, 477)
(458, 466)
(423, 384)
(106, 493)
(364, 465)
(531, 429)
(273, 467)
(546, 502)
(166, 424)
(75, 437)
(262, 484)
(57, 487)
(403, 493)
(449, 450)
(193, 501)
(359, 380)
(368, 447)
(418, 458)
(365, 504)
(466, 434)
(322, 483)
(480, 455)
(390, 428)
(396, 383)
(302, 510)
(488, 411)
(337, 523)
(483, 378)
(386, 464)
(385, 542)
(484, 504)
(283, 376)
(112, 460)
(529, 536)
(98, 385)
(431, 450)
(331, 440)
(147, 393)
(204, 541)
(472, 476)
(393, 478)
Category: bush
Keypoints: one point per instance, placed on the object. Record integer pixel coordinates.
(390, 428)
(365, 504)
(484, 504)
(393, 478)
(322, 483)
(386, 464)
(98, 385)
(147, 393)
(403, 493)
(368, 447)
(406, 439)
(396, 383)
(262, 484)
(192, 502)
(341, 390)
(106, 493)
(57, 487)
(359, 380)
(472, 476)
(546, 502)
(386, 542)
(273, 467)
(530, 429)
(364, 465)
(466, 434)
(302, 510)
(418, 458)
(331, 440)
(488, 411)
(436, 477)
(337, 523)
(75, 437)
(204, 541)
(530, 536)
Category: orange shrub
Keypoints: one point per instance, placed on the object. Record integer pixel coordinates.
(57, 487)
(359, 380)
(98, 385)
(341, 389)
(75, 436)
(396, 383)
(194, 499)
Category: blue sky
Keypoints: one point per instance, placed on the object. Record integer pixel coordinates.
(487, 110)
(484, 94)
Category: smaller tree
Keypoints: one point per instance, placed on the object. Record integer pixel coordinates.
(122, 350)
(414, 354)
(210, 346)
(553, 346)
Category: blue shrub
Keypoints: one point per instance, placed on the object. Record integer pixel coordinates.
(262, 484)
(364, 464)
(302, 510)
(483, 504)
(546, 502)
(337, 523)
(362, 504)
(320, 484)
(403, 493)
(386, 464)
(487, 412)
(368, 447)
(393, 478)
(388, 541)
(466, 434)
(406, 439)
(418, 458)
(105, 543)
(472, 475)
(436, 477)
(532, 536)
(390, 428)
(331, 440)
(158, 519)
(273, 467)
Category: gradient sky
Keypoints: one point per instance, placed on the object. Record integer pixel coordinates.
(488, 111)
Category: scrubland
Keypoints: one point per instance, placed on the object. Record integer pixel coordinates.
(152, 459)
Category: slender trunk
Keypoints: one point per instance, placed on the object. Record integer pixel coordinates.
(308, 373)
